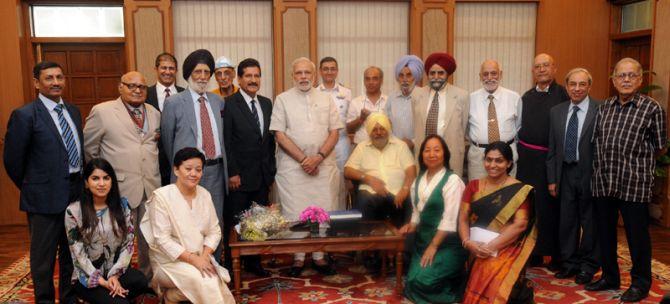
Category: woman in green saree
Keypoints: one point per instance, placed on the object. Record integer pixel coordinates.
(437, 269)
(497, 204)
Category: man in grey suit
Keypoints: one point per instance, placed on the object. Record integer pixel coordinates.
(192, 118)
(569, 169)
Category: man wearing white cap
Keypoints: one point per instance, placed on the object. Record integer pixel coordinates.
(224, 72)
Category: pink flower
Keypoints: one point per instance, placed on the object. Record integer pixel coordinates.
(314, 214)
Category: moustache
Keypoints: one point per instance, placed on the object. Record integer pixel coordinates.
(252, 84)
(55, 87)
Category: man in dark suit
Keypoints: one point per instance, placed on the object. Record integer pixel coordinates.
(250, 151)
(166, 69)
(43, 157)
(569, 170)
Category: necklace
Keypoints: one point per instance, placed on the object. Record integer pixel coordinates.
(496, 186)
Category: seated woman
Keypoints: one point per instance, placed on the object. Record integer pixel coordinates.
(437, 269)
(501, 204)
(182, 230)
(100, 233)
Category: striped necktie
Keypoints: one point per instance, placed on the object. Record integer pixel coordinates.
(254, 112)
(68, 138)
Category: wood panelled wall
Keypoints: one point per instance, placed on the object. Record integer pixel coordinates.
(11, 97)
(575, 32)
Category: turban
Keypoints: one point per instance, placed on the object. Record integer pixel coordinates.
(414, 64)
(442, 59)
(193, 59)
(377, 118)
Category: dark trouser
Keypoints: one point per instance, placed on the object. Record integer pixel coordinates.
(236, 203)
(48, 240)
(377, 207)
(133, 280)
(532, 170)
(577, 219)
(636, 222)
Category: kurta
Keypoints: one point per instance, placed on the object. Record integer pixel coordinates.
(436, 206)
(306, 119)
(171, 228)
(532, 166)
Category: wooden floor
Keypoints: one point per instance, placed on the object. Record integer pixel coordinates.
(15, 243)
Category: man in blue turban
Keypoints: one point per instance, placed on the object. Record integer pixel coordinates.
(408, 74)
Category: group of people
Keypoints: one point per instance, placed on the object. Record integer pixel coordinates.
(170, 168)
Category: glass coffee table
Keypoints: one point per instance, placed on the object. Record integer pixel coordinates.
(341, 236)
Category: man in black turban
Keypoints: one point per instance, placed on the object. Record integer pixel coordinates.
(192, 118)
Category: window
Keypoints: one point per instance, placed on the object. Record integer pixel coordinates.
(636, 16)
(77, 21)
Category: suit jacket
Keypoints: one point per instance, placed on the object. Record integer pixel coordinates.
(166, 170)
(110, 133)
(152, 95)
(179, 129)
(250, 154)
(558, 118)
(456, 121)
(36, 159)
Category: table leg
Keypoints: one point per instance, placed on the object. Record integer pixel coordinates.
(237, 278)
(384, 261)
(398, 272)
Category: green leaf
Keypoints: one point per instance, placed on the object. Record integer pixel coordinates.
(649, 88)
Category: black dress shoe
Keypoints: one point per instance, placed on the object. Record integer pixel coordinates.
(325, 269)
(566, 273)
(295, 271)
(634, 294)
(583, 277)
(258, 270)
(601, 285)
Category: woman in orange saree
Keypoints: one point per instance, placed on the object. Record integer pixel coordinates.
(498, 208)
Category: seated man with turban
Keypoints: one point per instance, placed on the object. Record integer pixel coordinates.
(385, 169)
(408, 74)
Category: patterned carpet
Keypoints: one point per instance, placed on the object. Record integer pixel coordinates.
(353, 285)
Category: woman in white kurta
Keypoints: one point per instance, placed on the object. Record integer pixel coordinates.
(182, 231)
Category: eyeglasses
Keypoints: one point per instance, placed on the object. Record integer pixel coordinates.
(133, 86)
(332, 69)
(630, 75)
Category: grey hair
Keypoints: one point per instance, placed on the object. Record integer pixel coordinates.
(577, 70)
(302, 59)
(636, 63)
(372, 67)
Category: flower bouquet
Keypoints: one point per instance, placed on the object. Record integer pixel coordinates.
(313, 216)
(260, 223)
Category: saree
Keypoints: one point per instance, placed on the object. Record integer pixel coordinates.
(493, 279)
(442, 281)
(168, 208)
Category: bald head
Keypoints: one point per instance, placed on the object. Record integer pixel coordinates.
(133, 88)
(373, 78)
(544, 70)
(490, 75)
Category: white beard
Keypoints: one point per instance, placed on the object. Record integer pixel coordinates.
(199, 88)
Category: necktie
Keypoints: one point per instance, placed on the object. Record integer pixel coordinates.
(494, 133)
(206, 128)
(68, 138)
(571, 137)
(167, 93)
(137, 117)
(431, 119)
(254, 112)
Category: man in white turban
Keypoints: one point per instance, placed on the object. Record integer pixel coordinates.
(408, 74)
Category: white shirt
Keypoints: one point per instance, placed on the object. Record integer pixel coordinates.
(363, 102)
(341, 96)
(451, 196)
(581, 116)
(257, 105)
(196, 107)
(160, 93)
(508, 113)
(51, 105)
(442, 101)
